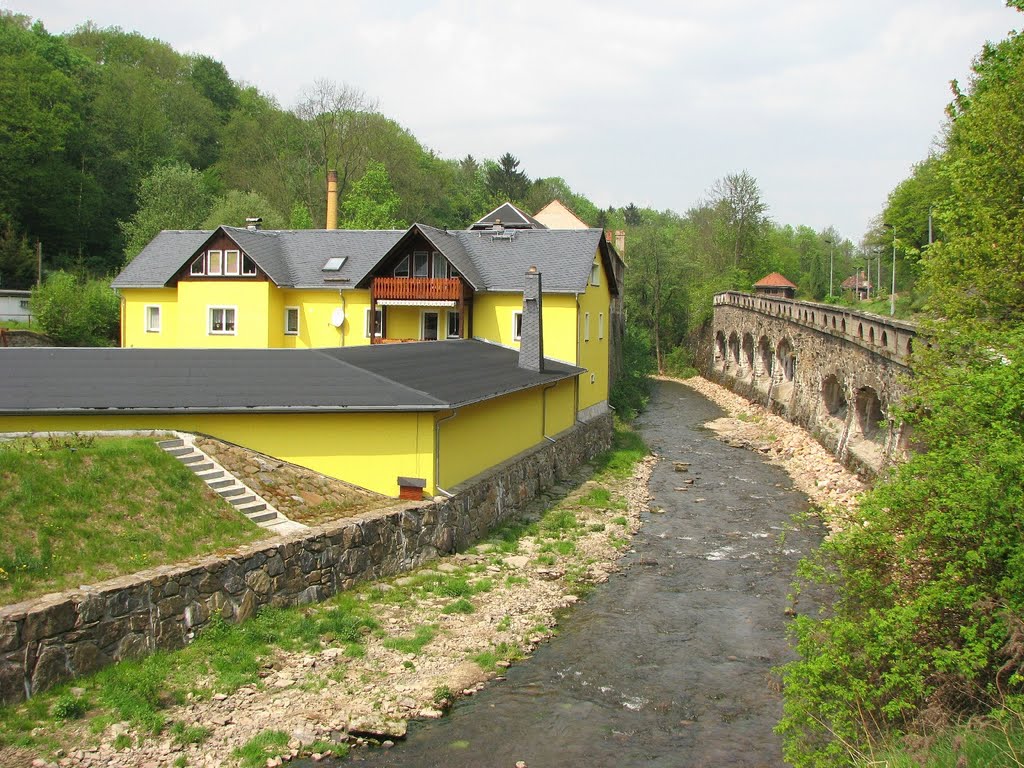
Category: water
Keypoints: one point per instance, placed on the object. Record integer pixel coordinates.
(669, 663)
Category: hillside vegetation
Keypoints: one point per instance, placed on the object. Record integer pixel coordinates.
(921, 658)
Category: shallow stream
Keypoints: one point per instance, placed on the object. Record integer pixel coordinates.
(669, 663)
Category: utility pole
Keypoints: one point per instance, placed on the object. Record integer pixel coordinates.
(892, 293)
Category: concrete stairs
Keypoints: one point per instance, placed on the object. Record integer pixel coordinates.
(227, 486)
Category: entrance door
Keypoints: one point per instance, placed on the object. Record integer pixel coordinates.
(429, 327)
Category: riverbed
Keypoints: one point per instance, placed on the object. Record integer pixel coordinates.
(671, 662)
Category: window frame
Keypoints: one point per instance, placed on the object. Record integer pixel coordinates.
(287, 312)
(415, 264)
(378, 312)
(595, 274)
(402, 268)
(246, 260)
(448, 325)
(586, 326)
(423, 325)
(238, 262)
(199, 261)
(600, 325)
(220, 263)
(146, 315)
(517, 326)
(223, 308)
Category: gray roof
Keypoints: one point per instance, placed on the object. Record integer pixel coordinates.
(508, 215)
(292, 258)
(490, 260)
(425, 376)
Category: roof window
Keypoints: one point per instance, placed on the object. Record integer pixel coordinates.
(334, 264)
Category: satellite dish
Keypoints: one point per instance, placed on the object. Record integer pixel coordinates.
(338, 317)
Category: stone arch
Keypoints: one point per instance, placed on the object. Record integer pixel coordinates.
(785, 358)
(833, 397)
(734, 350)
(813, 318)
(720, 358)
(885, 339)
(869, 413)
(748, 352)
(871, 335)
(860, 330)
(765, 357)
(844, 325)
(910, 345)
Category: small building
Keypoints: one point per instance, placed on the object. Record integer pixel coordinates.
(858, 285)
(14, 305)
(775, 285)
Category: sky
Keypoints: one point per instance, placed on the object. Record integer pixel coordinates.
(827, 104)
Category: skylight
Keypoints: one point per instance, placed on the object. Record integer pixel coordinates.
(334, 264)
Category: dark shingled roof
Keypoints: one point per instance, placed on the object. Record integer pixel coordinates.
(490, 260)
(426, 376)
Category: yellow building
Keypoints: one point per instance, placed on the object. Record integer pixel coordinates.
(246, 288)
(426, 416)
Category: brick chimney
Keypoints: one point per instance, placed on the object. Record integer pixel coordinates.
(620, 241)
(531, 341)
(332, 200)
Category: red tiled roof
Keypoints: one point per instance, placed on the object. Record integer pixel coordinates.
(774, 280)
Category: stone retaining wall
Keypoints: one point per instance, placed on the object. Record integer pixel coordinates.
(57, 637)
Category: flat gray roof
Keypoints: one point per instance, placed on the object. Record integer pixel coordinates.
(419, 376)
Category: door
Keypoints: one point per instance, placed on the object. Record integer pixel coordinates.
(429, 327)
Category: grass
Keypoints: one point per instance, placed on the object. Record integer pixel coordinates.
(488, 660)
(413, 643)
(79, 510)
(255, 752)
(223, 658)
(627, 449)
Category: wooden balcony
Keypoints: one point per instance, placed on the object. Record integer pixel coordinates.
(418, 289)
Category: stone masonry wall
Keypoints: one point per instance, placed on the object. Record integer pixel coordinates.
(57, 637)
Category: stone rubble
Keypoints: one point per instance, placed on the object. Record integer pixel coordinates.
(815, 472)
(331, 697)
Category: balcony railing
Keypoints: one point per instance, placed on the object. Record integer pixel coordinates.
(417, 288)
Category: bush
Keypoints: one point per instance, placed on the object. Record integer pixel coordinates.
(679, 363)
(77, 312)
(632, 387)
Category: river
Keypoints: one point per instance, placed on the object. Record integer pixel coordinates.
(671, 662)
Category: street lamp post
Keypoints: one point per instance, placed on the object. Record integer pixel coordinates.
(892, 293)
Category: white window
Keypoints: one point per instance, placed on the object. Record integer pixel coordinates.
(291, 321)
(586, 326)
(517, 326)
(454, 325)
(595, 274)
(378, 323)
(419, 264)
(232, 263)
(153, 318)
(402, 269)
(600, 325)
(213, 262)
(222, 321)
(198, 266)
(438, 265)
(248, 266)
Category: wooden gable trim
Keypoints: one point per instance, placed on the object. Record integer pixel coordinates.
(222, 241)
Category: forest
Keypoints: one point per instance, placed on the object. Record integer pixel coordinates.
(107, 137)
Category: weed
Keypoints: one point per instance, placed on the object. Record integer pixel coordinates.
(412, 643)
(558, 521)
(189, 734)
(443, 697)
(620, 520)
(505, 623)
(598, 497)
(69, 707)
(488, 660)
(264, 745)
(547, 559)
(180, 761)
(514, 580)
(596, 527)
(122, 741)
(462, 605)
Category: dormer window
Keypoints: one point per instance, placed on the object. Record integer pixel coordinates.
(232, 263)
(402, 269)
(248, 266)
(228, 263)
(198, 266)
(214, 262)
(421, 264)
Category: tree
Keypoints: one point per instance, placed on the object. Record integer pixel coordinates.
(738, 199)
(505, 181)
(371, 202)
(77, 312)
(634, 218)
(17, 261)
(233, 208)
(173, 196)
(300, 217)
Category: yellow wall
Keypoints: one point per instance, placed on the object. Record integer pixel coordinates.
(492, 320)
(251, 300)
(467, 442)
(594, 353)
(369, 450)
(133, 320)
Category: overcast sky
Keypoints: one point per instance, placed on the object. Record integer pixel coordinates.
(828, 104)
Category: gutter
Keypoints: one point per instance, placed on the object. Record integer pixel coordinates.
(437, 452)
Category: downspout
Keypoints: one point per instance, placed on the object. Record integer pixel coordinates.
(344, 309)
(544, 411)
(437, 453)
(579, 351)
(123, 305)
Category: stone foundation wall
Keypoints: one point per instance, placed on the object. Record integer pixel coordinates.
(57, 637)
